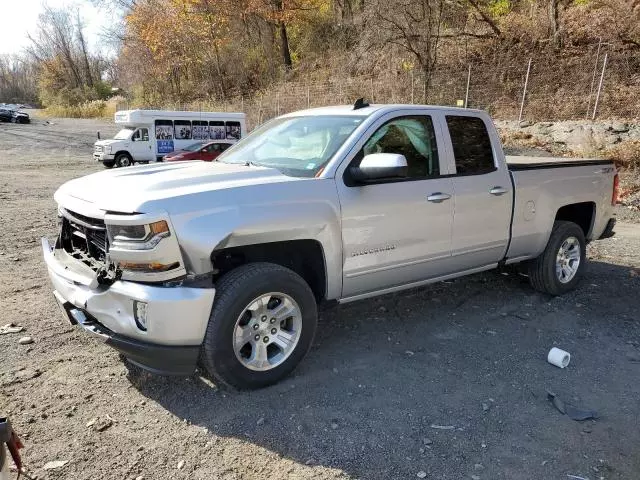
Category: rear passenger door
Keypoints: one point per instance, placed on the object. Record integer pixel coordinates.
(483, 193)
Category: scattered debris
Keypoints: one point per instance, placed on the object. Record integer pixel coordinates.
(92, 422)
(443, 427)
(485, 407)
(421, 474)
(181, 464)
(576, 477)
(478, 466)
(55, 464)
(10, 328)
(558, 357)
(335, 370)
(409, 353)
(102, 424)
(427, 441)
(25, 340)
(334, 425)
(475, 477)
(573, 412)
(260, 421)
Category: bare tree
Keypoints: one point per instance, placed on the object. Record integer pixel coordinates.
(415, 26)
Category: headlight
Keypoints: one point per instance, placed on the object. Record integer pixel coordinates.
(138, 237)
(108, 149)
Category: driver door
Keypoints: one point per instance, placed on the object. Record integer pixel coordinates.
(141, 147)
(396, 232)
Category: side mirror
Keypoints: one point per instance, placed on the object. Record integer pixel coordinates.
(380, 166)
(98, 135)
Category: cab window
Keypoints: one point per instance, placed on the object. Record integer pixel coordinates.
(471, 145)
(412, 136)
(140, 135)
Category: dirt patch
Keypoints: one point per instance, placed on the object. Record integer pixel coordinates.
(448, 380)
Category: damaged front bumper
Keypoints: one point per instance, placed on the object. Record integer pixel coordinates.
(175, 317)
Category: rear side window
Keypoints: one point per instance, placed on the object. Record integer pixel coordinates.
(471, 145)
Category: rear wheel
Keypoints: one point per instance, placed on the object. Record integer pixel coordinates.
(109, 163)
(261, 326)
(123, 160)
(561, 266)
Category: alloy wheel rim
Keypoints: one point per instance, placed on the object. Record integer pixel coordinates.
(267, 331)
(568, 260)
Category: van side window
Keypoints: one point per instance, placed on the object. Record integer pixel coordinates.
(471, 145)
(182, 129)
(200, 130)
(216, 130)
(164, 130)
(233, 130)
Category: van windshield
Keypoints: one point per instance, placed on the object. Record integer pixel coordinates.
(297, 146)
(124, 134)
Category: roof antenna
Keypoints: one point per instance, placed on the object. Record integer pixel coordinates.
(360, 103)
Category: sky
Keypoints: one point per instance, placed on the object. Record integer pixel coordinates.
(19, 17)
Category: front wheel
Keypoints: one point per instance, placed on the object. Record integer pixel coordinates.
(123, 160)
(109, 163)
(560, 267)
(261, 326)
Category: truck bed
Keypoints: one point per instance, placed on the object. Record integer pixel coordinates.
(525, 162)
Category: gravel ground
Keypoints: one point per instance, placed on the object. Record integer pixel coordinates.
(443, 382)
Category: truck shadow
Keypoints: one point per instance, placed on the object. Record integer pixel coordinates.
(449, 379)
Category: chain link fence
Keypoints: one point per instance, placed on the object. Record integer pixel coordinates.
(601, 81)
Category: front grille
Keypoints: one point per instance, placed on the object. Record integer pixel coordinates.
(84, 238)
(99, 149)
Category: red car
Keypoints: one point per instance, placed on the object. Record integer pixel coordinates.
(207, 151)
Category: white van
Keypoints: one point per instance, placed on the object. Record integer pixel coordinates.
(148, 135)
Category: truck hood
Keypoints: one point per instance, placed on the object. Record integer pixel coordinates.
(148, 188)
(110, 141)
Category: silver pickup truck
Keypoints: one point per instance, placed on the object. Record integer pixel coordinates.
(223, 264)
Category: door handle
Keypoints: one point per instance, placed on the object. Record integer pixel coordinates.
(438, 197)
(498, 191)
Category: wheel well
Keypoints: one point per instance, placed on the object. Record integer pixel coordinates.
(121, 152)
(305, 257)
(581, 214)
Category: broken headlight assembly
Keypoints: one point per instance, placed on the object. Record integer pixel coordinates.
(138, 237)
(144, 251)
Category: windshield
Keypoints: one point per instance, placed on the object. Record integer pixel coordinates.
(297, 146)
(124, 134)
(193, 148)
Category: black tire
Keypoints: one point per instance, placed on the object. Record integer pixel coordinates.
(234, 292)
(123, 160)
(109, 163)
(542, 270)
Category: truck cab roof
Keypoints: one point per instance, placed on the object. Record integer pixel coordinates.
(376, 108)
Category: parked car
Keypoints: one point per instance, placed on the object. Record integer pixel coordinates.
(14, 116)
(227, 262)
(208, 152)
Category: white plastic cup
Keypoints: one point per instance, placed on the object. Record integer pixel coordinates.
(558, 357)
